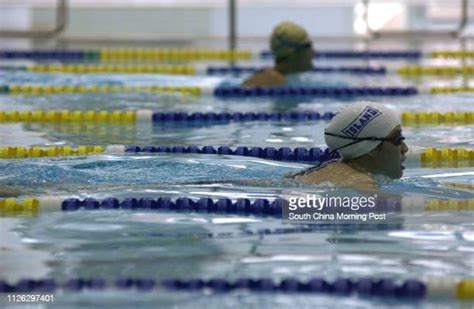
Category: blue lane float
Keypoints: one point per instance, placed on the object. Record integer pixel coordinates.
(386, 287)
(95, 54)
(240, 117)
(221, 70)
(350, 54)
(362, 70)
(65, 55)
(299, 154)
(366, 287)
(246, 207)
(286, 92)
(224, 206)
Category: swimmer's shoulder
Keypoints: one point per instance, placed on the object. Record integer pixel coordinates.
(338, 174)
(265, 78)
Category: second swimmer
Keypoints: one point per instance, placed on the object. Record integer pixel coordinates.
(369, 138)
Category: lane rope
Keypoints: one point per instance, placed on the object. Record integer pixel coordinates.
(238, 92)
(107, 54)
(445, 90)
(180, 69)
(350, 54)
(436, 118)
(266, 208)
(221, 92)
(426, 157)
(156, 117)
(54, 89)
(452, 54)
(51, 151)
(242, 206)
(435, 70)
(362, 70)
(125, 117)
(408, 289)
(130, 69)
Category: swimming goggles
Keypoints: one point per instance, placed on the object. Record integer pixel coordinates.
(396, 141)
(296, 47)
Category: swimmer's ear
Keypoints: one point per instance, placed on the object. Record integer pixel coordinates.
(379, 147)
(375, 151)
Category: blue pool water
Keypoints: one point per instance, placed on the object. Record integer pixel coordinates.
(112, 244)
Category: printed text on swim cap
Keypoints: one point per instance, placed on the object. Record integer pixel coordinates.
(356, 126)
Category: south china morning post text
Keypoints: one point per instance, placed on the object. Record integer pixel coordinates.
(313, 208)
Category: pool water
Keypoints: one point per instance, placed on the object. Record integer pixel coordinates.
(121, 243)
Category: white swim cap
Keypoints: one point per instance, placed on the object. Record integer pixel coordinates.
(360, 120)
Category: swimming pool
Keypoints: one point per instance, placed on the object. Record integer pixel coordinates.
(123, 243)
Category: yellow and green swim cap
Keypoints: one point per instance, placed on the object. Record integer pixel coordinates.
(286, 38)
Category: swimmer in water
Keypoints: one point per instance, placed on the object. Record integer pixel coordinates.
(293, 53)
(369, 138)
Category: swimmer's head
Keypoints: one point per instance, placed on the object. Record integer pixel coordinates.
(372, 130)
(291, 43)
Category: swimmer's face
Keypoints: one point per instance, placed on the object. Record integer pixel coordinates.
(389, 159)
(305, 58)
(301, 60)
